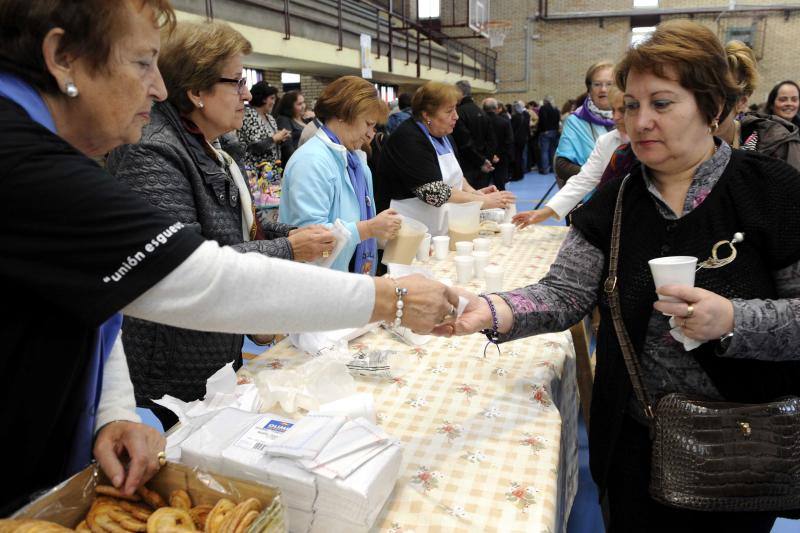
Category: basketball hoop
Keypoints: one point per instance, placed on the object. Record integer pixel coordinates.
(497, 30)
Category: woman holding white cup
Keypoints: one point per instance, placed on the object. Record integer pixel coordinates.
(690, 193)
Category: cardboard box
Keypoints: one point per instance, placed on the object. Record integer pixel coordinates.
(68, 503)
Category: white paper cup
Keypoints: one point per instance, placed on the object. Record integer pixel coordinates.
(507, 233)
(493, 275)
(463, 248)
(673, 270)
(481, 244)
(465, 265)
(481, 262)
(424, 250)
(441, 246)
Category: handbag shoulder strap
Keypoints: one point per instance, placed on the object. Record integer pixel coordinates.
(610, 287)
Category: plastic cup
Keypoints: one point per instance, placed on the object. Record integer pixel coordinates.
(481, 262)
(463, 248)
(509, 213)
(465, 268)
(493, 275)
(673, 270)
(441, 246)
(507, 233)
(481, 244)
(424, 250)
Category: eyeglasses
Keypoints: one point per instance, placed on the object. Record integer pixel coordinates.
(240, 83)
(602, 84)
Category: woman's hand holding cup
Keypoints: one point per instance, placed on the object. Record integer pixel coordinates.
(701, 314)
(426, 303)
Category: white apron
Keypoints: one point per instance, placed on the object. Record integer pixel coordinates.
(433, 217)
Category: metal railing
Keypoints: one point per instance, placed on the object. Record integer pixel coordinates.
(395, 35)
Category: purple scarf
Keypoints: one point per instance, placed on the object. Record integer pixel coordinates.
(585, 113)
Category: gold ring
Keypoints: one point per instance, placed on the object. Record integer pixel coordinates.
(690, 311)
(162, 458)
(326, 253)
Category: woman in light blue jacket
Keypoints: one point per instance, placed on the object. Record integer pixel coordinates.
(328, 177)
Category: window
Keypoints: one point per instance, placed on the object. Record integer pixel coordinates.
(747, 35)
(253, 76)
(645, 3)
(428, 9)
(290, 81)
(387, 92)
(640, 34)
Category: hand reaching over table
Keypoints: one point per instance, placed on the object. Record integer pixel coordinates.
(477, 316)
(425, 304)
(537, 216)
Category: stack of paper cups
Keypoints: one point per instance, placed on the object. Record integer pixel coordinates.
(494, 278)
(507, 233)
(481, 261)
(441, 246)
(464, 268)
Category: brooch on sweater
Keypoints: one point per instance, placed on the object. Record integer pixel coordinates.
(714, 261)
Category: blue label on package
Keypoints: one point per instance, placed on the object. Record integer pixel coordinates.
(278, 426)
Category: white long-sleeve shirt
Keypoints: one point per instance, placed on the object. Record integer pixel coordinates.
(218, 289)
(587, 179)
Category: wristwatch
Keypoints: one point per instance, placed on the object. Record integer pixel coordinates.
(725, 342)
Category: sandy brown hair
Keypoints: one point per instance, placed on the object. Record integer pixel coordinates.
(349, 98)
(742, 62)
(695, 54)
(91, 29)
(432, 96)
(192, 56)
(594, 69)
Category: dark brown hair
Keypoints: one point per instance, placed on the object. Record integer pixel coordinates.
(192, 56)
(285, 106)
(696, 55)
(91, 28)
(348, 98)
(433, 95)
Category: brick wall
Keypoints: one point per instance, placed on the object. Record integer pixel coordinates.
(561, 51)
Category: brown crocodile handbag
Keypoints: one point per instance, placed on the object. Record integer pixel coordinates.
(712, 455)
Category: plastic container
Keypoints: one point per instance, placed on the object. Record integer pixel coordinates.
(403, 248)
(463, 222)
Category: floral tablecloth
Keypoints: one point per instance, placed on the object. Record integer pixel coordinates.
(490, 443)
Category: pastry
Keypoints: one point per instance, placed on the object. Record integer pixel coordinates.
(180, 499)
(152, 498)
(108, 490)
(170, 518)
(217, 515)
(199, 514)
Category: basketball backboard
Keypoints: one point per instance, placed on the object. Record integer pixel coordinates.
(479, 16)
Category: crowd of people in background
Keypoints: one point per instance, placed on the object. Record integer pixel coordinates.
(178, 129)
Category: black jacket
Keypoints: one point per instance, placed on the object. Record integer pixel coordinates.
(549, 118)
(504, 139)
(474, 136)
(171, 169)
(521, 123)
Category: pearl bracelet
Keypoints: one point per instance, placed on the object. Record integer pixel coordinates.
(400, 292)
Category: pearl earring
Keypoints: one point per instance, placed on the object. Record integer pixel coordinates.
(71, 89)
(714, 126)
(200, 105)
(428, 122)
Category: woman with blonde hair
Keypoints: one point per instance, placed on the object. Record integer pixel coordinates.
(328, 178)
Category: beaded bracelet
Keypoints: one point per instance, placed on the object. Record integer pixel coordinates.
(492, 334)
(400, 292)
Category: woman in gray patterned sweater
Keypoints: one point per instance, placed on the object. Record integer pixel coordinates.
(689, 192)
(178, 168)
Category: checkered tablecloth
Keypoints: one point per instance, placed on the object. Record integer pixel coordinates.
(490, 443)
